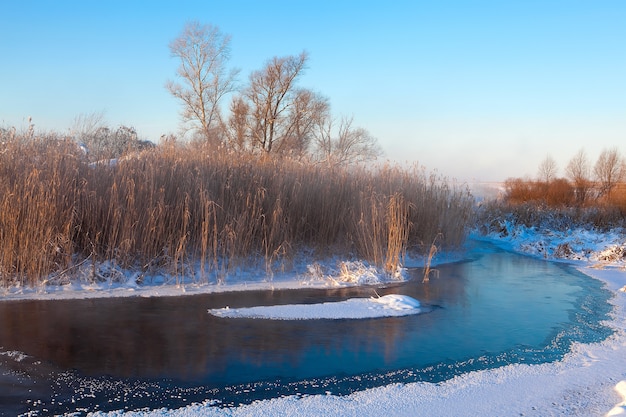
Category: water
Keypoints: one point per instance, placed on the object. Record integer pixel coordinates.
(105, 354)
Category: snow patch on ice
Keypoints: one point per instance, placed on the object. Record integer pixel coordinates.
(398, 302)
(393, 305)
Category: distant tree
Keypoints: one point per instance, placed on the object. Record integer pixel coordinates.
(548, 170)
(203, 52)
(271, 95)
(578, 171)
(345, 146)
(609, 170)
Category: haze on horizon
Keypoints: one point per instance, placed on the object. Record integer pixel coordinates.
(479, 91)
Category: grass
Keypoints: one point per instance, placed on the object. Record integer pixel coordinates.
(196, 212)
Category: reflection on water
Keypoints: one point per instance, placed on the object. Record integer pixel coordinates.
(496, 309)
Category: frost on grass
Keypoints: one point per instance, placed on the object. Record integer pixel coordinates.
(570, 243)
(614, 253)
(108, 278)
(352, 273)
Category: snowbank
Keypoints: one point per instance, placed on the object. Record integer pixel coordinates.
(577, 244)
(109, 280)
(620, 409)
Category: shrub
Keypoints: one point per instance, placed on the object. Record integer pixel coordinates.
(557, 192)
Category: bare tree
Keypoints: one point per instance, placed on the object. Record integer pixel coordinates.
(548, 170)
(307, 110)
(271, 95)
(609, 170)
(293, 132)
(238, 125)
(204, 53)
(86, 124)
(348, 145)
(579, 172)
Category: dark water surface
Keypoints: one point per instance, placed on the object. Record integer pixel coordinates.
(106, 354)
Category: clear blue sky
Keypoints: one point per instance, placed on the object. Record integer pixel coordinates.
(478, 90)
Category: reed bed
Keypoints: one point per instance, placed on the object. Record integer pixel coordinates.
(199, 213)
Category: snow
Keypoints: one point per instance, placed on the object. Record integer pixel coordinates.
(392, 305)
(589, 381)
(398, 302)
(109, 280)
(620, 409)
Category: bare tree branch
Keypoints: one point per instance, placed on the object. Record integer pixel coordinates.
(349, 145)
(578, 171)
(271, 95)
(609, 170)
(548, 170)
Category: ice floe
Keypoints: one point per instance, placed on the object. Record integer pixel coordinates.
(392, 305)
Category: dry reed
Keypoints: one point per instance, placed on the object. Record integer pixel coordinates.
(199, 213)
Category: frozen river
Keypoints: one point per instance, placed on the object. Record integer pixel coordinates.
(495, 309)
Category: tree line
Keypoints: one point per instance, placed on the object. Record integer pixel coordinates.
(269, 115)
(583, 184)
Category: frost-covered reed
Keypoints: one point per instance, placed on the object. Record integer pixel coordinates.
(195, 211)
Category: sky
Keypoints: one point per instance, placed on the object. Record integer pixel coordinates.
(475, 90)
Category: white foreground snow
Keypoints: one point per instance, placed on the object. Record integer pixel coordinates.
(589, 381)
(392, 305)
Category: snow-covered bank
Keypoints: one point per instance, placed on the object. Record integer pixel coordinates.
(575, 244)
(109, 280)
(582, 247)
